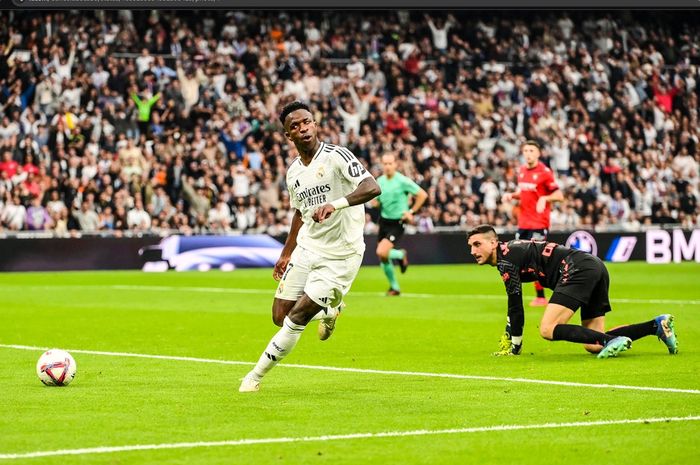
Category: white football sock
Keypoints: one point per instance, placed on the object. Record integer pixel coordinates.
(280, 345)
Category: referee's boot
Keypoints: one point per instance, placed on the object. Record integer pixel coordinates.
(403, 264)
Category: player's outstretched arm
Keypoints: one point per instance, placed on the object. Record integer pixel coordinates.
(366, 191)
(511, 342)
(516, 321)
(289, 245)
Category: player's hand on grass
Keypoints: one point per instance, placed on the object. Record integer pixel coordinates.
(541, 204)
(280, 267)
(323, 213)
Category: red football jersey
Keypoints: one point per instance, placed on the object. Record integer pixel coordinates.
(533, 184)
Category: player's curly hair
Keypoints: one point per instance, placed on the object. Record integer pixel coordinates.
(292, 106)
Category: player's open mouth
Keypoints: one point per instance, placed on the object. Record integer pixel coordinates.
(307, 137)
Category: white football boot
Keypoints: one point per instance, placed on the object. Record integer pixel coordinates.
(327, 325)
(249, 384)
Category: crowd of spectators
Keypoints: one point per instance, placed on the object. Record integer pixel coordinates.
(158, 121)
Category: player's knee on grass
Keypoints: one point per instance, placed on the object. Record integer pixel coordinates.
(597, 324)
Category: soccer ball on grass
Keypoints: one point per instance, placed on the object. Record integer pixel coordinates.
(56, 368)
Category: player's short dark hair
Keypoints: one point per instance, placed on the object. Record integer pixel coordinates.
(482, 229)
(534, 143)
(291, 107)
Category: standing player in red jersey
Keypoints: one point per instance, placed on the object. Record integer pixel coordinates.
(537, 189)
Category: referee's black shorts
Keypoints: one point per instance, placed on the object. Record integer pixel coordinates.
(584, 283)
(390, 229)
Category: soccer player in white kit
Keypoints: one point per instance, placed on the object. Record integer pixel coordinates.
(328, 187)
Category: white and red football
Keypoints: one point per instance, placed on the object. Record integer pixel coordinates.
(56, 368)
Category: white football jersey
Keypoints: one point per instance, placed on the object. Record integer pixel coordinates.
(334, 172)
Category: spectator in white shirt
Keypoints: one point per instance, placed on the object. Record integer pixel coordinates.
(64, 67)
(219, 217)
(138, 218)
(13, 214)
(440, 31)
(144, 61)
(295, 87)
(356, 69)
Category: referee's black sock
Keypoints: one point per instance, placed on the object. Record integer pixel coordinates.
(576, 333)
(635, 331)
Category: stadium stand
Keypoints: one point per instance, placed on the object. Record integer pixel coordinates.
(167, 121)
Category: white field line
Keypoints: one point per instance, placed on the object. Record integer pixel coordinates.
(270, 292)
(367, 371)
(337, 437)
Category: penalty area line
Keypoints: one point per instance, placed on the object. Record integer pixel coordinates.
(367, 370)
(337, 437)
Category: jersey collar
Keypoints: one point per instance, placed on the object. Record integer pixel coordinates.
(318, 151)
(499, 250)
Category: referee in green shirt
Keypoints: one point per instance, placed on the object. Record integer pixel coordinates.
(394, 212)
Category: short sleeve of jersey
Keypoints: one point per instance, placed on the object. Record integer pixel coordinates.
(410, 186)
(349, 166)
(549, 182)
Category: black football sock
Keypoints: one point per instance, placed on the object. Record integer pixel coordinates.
(576, 333)
(635, 331)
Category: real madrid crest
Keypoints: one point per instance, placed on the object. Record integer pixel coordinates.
(321, 172)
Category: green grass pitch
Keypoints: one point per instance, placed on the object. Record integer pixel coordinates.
(448, 322)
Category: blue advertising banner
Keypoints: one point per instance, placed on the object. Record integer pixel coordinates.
(185, 253)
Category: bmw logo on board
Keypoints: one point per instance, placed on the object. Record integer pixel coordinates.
(583, 240)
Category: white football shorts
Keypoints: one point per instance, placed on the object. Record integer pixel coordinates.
(326, 281)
